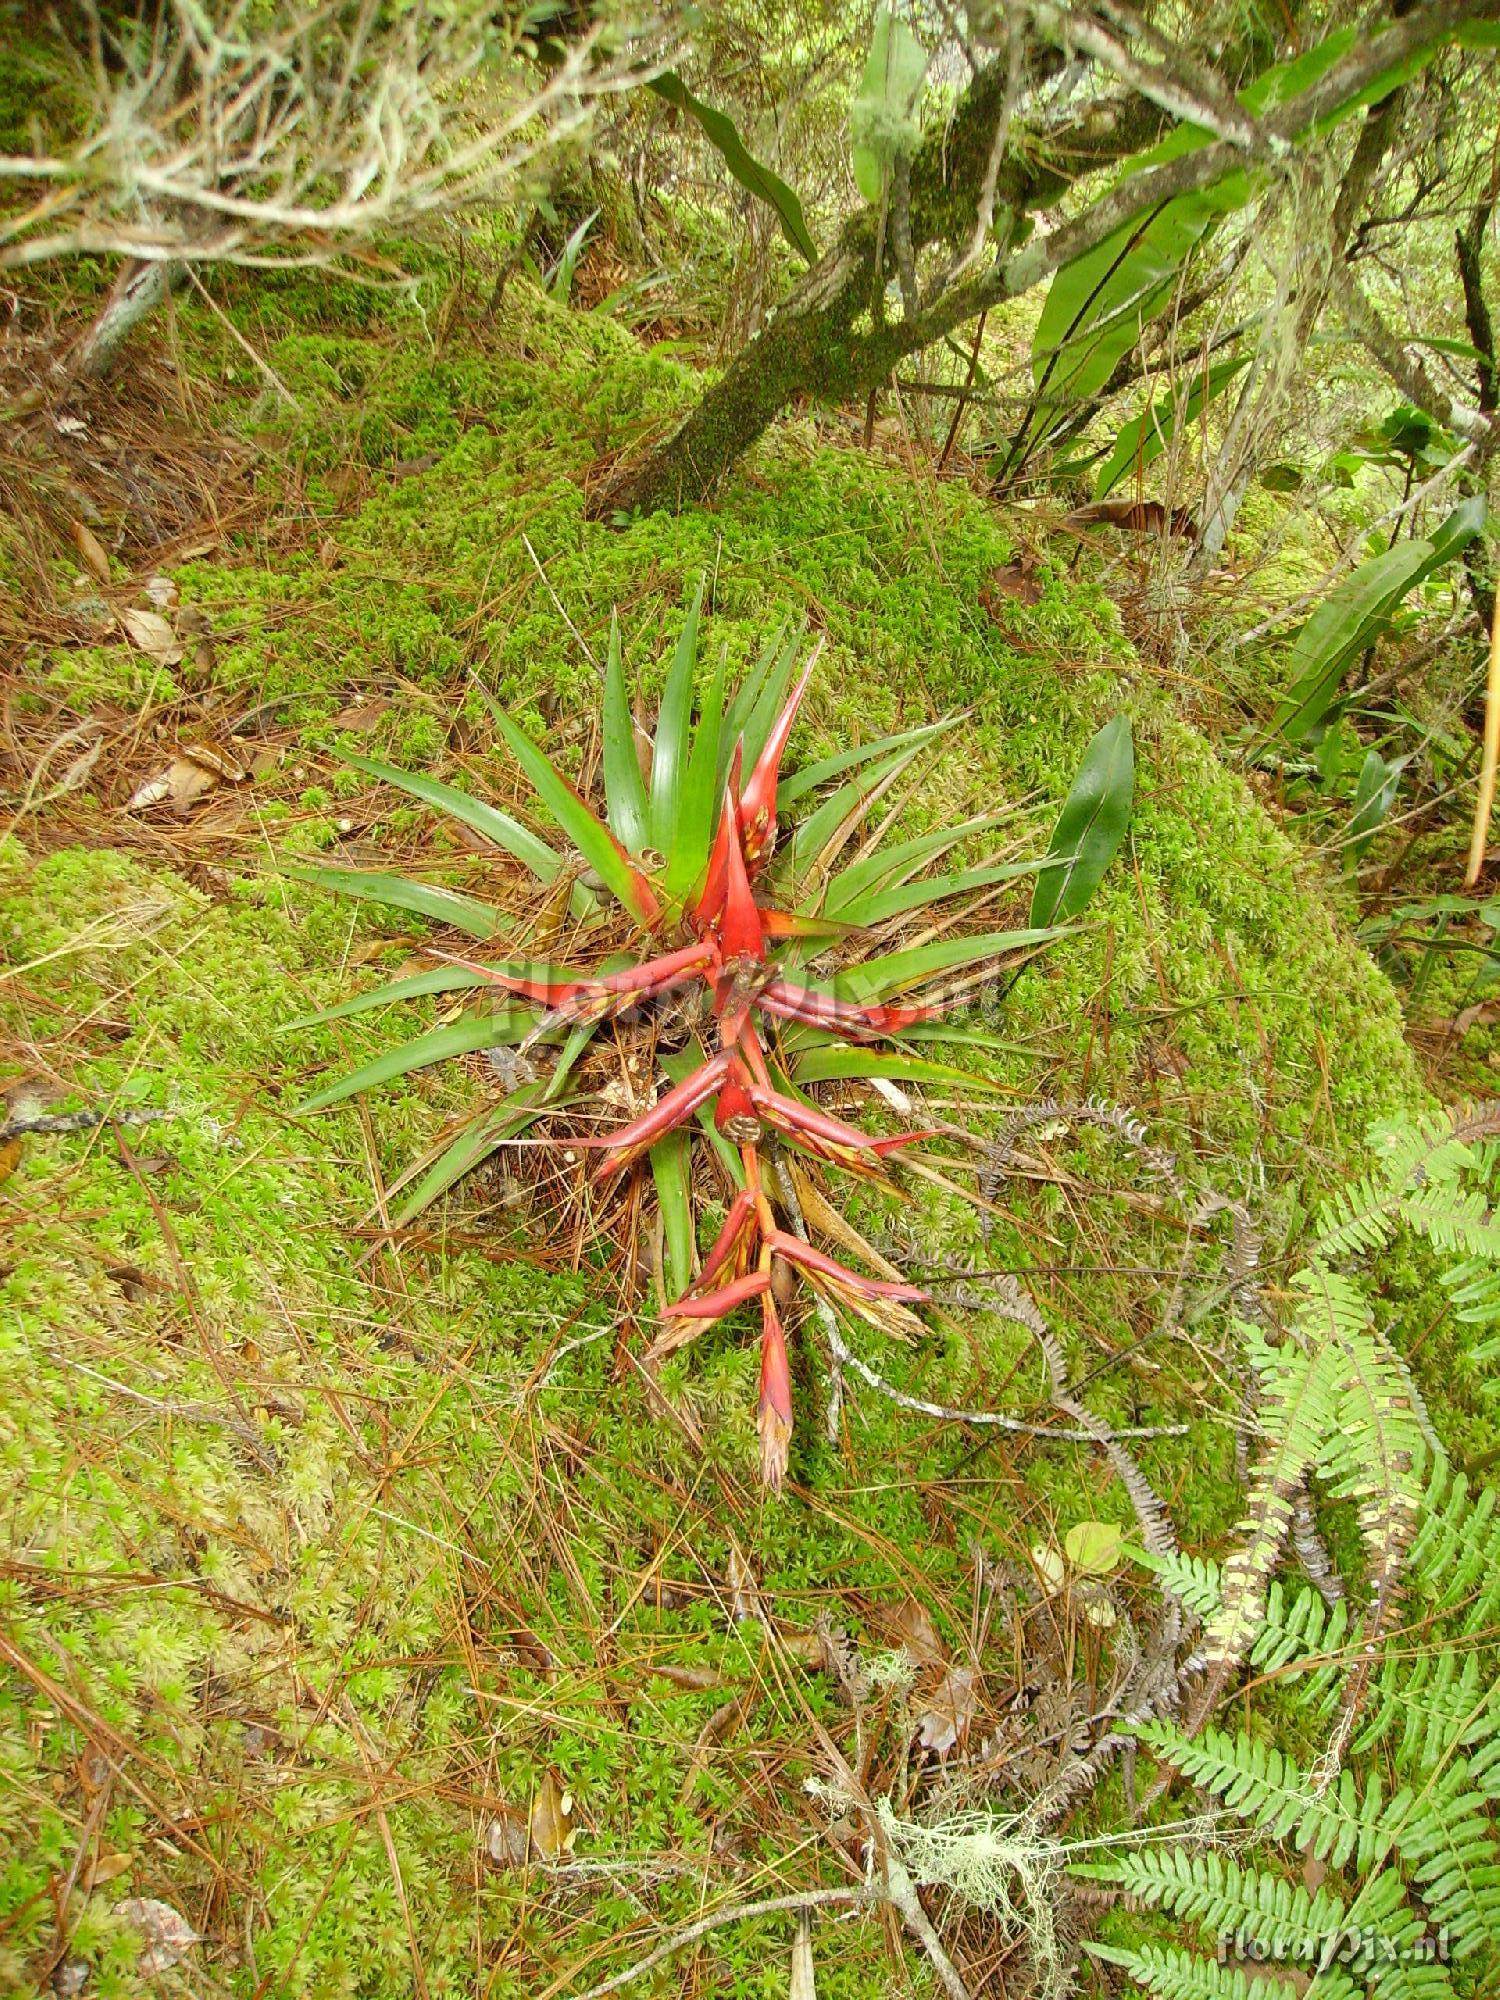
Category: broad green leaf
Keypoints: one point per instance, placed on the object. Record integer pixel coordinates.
(624, 788)
(810, 776)
(752, 174)
(1090, 827)
(458, 1038)
(560, 285)
(1347, 620)
(1146, 437)
(527, 847)
(1374, 795)
(698, 796)
(880, 907)
(1094, 1547)
(1453, 535)
(671, 1169)
(897, 971)
(423, 899)
(880, 118)
(588, 834)
(1097, 306)
(444, 979)
(673, 724)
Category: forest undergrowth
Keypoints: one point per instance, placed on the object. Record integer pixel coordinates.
(368, 1604)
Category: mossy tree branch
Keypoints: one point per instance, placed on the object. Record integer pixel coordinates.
(827, 343)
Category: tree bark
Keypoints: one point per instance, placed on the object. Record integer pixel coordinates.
(137, 291)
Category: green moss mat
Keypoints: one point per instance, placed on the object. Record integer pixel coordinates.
(329, 1559)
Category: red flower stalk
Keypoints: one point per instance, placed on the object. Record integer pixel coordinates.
(847, 1017)
(741, 937)
(775, 1419)
(714, 1305)
(802, 1121)
(599, 996)
(758, 805)
(796, 1251)
(673, 1108)
(734, 1115)
(733, 1237)
(711, 903)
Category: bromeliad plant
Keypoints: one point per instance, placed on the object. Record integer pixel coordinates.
(721, 909)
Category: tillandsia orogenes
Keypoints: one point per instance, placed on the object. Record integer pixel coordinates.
(729, 898)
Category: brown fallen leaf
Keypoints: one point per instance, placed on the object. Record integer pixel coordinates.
(944, 1720)
(166, 1936)
(196, 769)
(1009, 580)
(696, 1679)
(720, 1726)
(912, 1629)
(10, 1156)
(364, 715)
(1137, 517)
(162, 592)
(109, 1868)
(153, 635)
(92, 550)
(552, 1830)
(506, 1839)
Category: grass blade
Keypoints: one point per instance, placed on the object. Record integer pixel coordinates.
(624, 788)
(895, 901)
(423, 899)
(528, 848)
(671, 1170)
(672, 725)
(897, 971)
(481, 1137)
(588, 834)
(837, 1063)
(458, 1038)
(443, 979)
(777, 655)
(811, 776)
(698, 796)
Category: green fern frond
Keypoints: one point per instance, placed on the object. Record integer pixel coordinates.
(1306, 1640)
(1214, 1890)
(1264, 1786)
(1195, 1581)
(1456, 1551)
(1173, 1974)
(1430, 1706)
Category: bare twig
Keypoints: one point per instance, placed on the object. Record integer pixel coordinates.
(730, 1913)
(1485, 803)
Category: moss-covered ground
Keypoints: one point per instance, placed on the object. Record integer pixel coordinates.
(327, 1556)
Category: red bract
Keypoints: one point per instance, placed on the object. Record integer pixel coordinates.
(758, 806)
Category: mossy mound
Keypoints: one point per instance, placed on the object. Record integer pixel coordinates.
(327, 1558)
